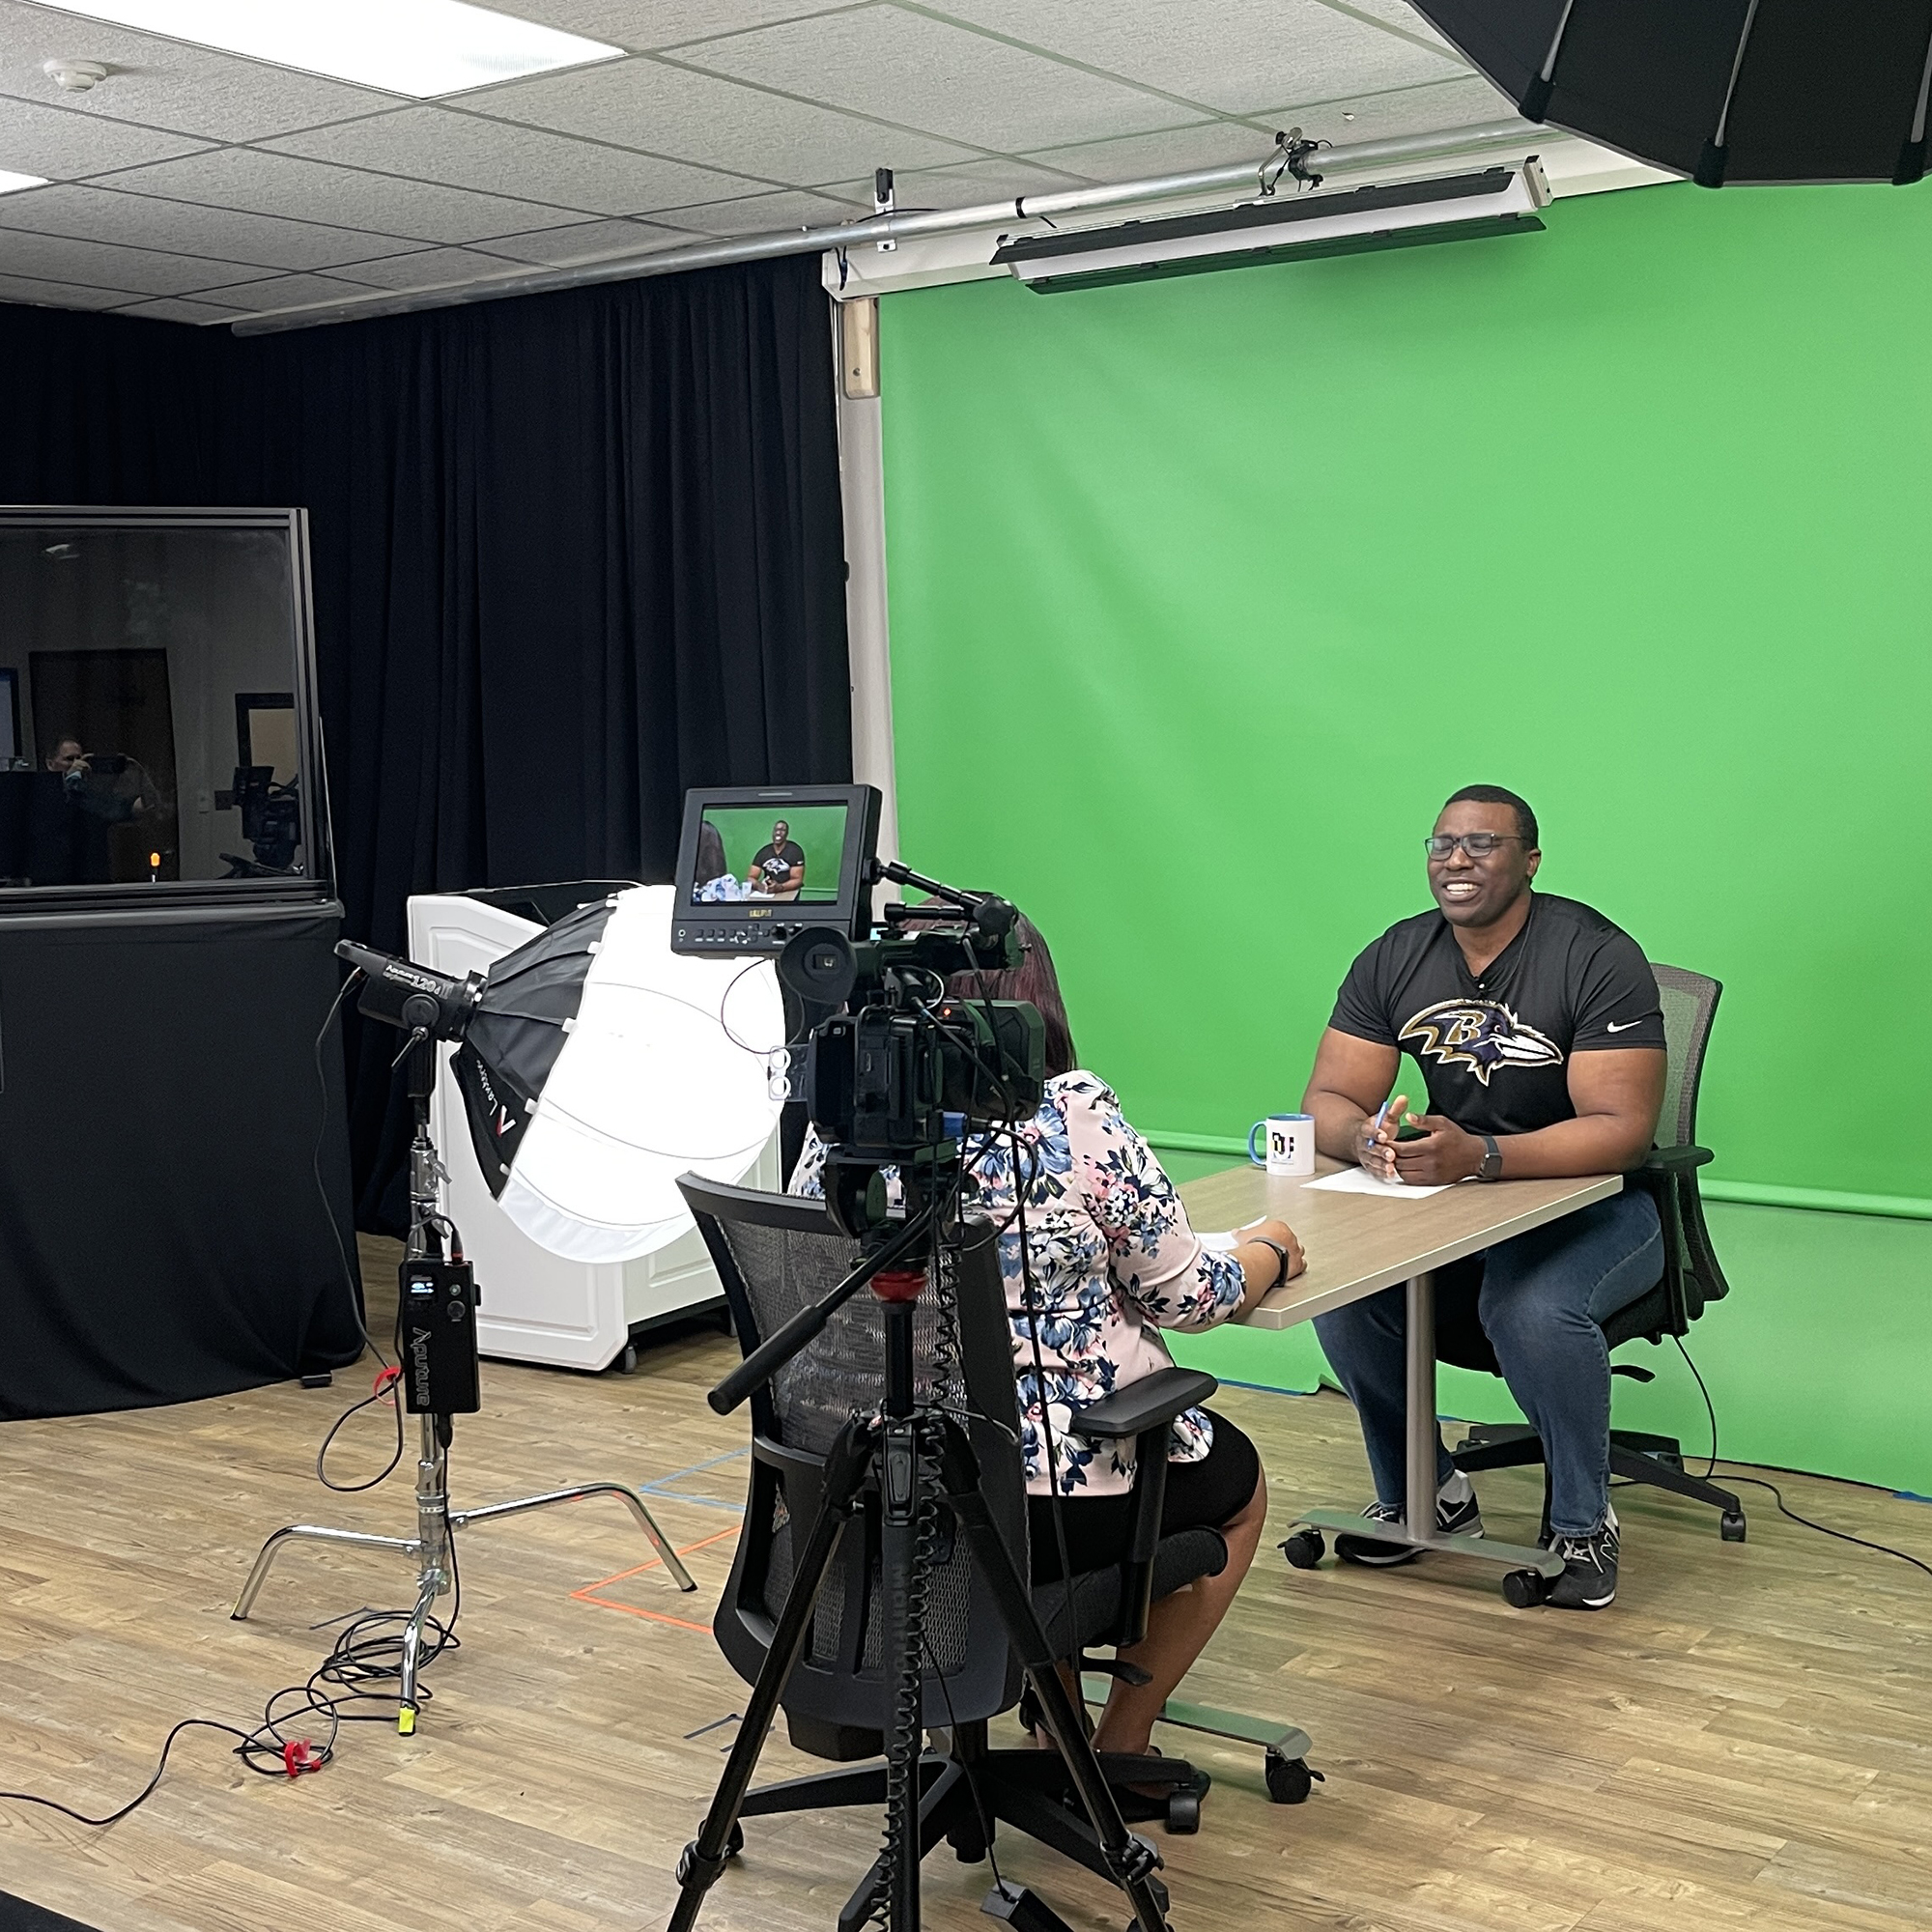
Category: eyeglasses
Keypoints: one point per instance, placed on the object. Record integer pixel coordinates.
(1477, 844)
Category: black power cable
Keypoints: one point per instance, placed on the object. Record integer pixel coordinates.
(367, 1653)
(1777, 1494)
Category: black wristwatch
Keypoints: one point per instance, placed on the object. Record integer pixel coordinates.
(1281, 1261)
(1491, 1168)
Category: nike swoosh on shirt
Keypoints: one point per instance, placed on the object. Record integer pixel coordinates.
(1611, 1026)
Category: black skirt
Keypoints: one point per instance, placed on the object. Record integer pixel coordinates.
(1200, 1496)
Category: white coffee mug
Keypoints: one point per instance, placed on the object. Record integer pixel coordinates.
(1290, 1139)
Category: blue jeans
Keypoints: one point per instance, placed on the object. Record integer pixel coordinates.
(1542, 1295)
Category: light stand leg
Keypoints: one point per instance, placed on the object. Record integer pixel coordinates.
(629, 1498)
(314, 1532)
(408, 1707)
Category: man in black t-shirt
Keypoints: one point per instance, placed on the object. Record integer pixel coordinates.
(777, 869)
(1538, 1028)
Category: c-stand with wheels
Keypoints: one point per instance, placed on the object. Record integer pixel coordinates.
(440, 1377)
(917, 1458)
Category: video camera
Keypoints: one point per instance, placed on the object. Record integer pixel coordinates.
(894, 1067)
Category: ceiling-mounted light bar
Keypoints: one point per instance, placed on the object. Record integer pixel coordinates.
(1287, 228)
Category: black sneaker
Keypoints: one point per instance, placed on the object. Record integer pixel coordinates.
(1459, 1518)
(1589, 1578)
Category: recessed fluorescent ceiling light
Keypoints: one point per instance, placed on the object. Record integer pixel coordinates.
(420, 47)
(11, 182)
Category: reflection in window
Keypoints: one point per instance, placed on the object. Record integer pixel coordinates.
(155, 728)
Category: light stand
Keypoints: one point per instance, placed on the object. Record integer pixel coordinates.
(900, 1452)
(433, 1547)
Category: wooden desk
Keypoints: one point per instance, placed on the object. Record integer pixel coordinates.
(1357, 1246)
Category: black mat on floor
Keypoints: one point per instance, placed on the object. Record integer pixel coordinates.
(18, 1915)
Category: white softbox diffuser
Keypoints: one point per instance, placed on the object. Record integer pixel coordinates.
(601, 1066)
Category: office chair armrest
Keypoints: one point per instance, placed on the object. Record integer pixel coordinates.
(1145, 1404)
(1675, 1159)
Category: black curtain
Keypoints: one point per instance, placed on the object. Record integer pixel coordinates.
(574, 552)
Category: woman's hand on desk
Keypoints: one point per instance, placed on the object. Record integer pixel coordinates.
(1264, 1269)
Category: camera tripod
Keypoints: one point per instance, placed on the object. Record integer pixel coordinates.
(918, 1459)
(433, 1547)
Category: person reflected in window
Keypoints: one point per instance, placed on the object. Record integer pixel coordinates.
(69, 760)
(1108, 1260)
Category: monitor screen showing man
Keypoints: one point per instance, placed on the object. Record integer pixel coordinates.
(745, 853)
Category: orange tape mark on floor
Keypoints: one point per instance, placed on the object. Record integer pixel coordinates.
(637, 1570)
(632, 1610)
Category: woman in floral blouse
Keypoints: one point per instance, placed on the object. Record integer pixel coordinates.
(1108, 1258)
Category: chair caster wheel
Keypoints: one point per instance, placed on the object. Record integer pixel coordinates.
(1304, 1550)
(1289, 1780)
(1524, 1589)
(1183, 1812)
(735, 1843)
(1731, 1525)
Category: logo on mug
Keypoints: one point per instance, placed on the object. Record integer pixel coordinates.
(1290, 1139)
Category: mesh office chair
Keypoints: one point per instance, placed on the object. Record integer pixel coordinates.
(1690, 1280)
(774, 1254)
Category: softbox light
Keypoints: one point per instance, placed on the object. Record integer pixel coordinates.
(596, 1067)
(1739, 90)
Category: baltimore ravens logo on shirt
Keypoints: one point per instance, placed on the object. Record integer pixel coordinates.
(1480, 1034)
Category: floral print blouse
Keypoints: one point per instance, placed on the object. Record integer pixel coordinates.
(1112, 1260)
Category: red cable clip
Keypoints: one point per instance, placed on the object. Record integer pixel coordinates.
(298, 1755)
(387, 1377)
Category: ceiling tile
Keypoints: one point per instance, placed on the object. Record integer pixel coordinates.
(266, 184)
(1213, 144)
(927, 74)
(60, 145)
(288, 292)
(758, 213)
(430, 266)
(59, 295)
(145, 221)
(1236, 55)
(141, 270)
(663, 23)
(1401, 16)
(166, 83)
(673, 110)
(435, 144)
(180, 308)
(588, 241)
(1405, 110)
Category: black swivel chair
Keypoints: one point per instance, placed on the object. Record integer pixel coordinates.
(774, 1254)
(1691, 1277)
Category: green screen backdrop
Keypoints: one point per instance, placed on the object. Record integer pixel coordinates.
(1205, 594)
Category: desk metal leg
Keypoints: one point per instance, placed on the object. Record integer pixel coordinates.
(1420, 1532)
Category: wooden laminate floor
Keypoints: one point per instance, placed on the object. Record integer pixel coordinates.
(1743, 1742)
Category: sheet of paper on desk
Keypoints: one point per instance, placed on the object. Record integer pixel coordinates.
(1358, 1181)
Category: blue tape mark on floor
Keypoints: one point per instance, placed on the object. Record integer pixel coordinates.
(684, 1496)
(661, 1485)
